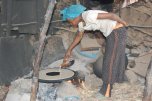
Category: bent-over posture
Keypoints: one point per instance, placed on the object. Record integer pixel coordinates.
(113, 29)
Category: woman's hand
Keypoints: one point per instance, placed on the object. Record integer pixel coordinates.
(67, 56)
(66, 59)
(124, 23)
(73, 45)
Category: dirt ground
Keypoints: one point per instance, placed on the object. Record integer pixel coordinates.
(120, 92)
(3, 92)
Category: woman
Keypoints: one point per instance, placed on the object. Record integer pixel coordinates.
(113, 29)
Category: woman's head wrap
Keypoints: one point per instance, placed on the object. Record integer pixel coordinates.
(72, 11)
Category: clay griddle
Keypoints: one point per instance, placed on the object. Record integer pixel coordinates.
(55, 75)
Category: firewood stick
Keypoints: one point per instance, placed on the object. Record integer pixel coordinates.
(40, 50)
(149, 34)
(66, 29)
(140, 26)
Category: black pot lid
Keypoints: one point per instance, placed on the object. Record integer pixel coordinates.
(55, 75)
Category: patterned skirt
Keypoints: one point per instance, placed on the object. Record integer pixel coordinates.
(114, 60)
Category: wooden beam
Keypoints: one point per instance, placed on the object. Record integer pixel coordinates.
(39, 54)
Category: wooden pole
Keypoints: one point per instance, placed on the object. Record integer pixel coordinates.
(40, 50)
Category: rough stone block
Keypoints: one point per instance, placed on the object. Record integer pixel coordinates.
(89, 44)
(131, 76)
(142, 63)
(92, 82)
(54, 50)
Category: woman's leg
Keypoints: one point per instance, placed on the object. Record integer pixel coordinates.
(114, 60)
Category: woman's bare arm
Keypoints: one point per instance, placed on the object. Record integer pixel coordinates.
(111, 16)
(74, 44)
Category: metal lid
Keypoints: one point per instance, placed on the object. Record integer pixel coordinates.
(55, 75)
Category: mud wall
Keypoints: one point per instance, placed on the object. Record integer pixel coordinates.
(15, 58)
